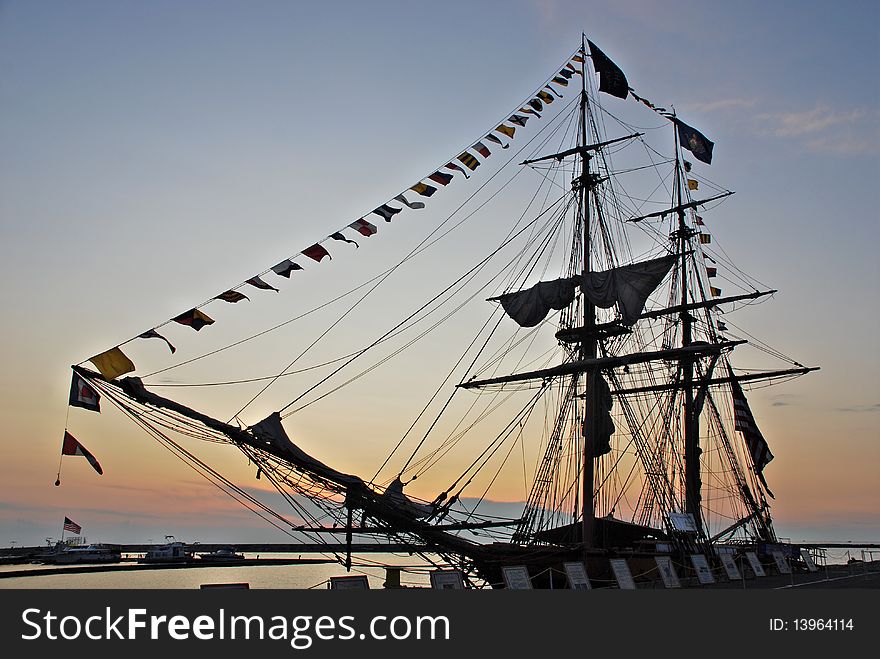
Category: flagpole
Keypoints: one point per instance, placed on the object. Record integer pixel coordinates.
(61, 457)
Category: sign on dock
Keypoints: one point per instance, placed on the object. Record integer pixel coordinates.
(667, 572)
(701, 567)
(516, 577)
(577, 576)
(622, 574)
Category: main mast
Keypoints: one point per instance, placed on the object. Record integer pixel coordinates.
(587, 347)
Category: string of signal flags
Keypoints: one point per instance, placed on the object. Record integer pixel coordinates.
(113, 363)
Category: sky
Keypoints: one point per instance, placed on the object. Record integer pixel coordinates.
(155, 154)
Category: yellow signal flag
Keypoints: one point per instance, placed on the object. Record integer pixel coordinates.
(692, 184)
(705, 239)
(507, 130)
(112, 363)
(469, 161)
(716, 292)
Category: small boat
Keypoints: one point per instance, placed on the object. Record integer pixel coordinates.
(224, 555)
(85, 554)
(172, 552)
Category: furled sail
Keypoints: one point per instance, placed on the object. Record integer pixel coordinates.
(627, 286)
(530, 306)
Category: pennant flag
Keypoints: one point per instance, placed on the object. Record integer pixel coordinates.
(83, 395)
(708, 258)
(560, 80)
(698, 220)
(339, 236)
(645, 101)
(611, 78)
(711, 272)
(416, 205)
(424, 189)
(705, 239)
(284, 268)
(536, 104)
(744, 422)
(579, 57)
(72, 447)
(517, 119)
(70, 525)
(572, 68)
(256, 282)
(153, 334)
(469, 161)
(566, 73)
(452, 165)
(364, 228)
(692, 184)
(194, 318)
(721, 326)
(441, 177)
(387, 211)
(695, 142)
(531, 111)
(232, 296)
(316, 252)
(716, 292)
(507, 130)
(553, 91)
(544, 96)
(492, 138)
(112, 364)
(482, 149)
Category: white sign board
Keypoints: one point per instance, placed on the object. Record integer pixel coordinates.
(730, 567)
(516, 577)
(701, 566)
(357, 582)
(808, 560)
(683, 522)
(622, 574)
(781, 563)
(667, 572)
(447, 580)
(755, 564)
(577, 576)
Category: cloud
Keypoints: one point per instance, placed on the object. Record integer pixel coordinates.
(846, 145)
(808, 122)
(783, 400)
(825, 130)
(720, 105)
(859, 408)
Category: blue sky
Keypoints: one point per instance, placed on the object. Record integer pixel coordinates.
(153, 154)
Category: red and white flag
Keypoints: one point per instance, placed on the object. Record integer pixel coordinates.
(72, 447)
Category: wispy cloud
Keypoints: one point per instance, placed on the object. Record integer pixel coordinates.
(826, 130)
(720, 105)
(860, 408)
(846, 145)
(808, 122)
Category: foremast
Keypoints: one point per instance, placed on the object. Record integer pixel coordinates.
(691, 416)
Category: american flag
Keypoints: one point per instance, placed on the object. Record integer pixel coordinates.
(744, 422)
(70, 525)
